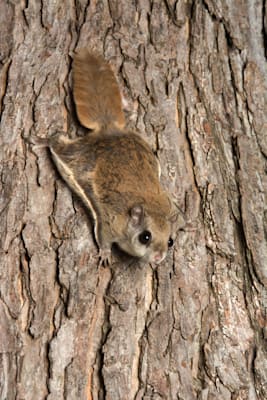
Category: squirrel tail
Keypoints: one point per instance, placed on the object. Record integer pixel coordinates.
(96, 92)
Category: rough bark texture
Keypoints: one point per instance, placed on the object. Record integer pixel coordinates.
(194, 77)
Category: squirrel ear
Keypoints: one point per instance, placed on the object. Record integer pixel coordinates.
(137, 215)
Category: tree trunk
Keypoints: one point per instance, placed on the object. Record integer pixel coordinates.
(193, 74)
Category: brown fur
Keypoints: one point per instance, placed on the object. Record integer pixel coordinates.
(113, 171)
(92, 84)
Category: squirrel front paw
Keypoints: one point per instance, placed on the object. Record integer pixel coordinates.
(104, 257)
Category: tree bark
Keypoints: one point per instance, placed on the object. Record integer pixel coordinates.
(193, 74)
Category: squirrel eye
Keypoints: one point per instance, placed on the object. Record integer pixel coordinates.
(170, 242)
(145, 237)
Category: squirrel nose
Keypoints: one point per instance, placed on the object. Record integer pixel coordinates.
(158, 257)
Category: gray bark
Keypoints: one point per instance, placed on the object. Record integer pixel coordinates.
(193, 74)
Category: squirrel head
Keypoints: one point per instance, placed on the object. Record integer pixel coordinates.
(147, 236)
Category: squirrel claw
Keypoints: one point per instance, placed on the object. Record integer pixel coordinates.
(104, 257)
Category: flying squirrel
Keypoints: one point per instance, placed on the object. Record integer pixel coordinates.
(113, 170)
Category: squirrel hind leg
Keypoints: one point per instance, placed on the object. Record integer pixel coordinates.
(36, 142)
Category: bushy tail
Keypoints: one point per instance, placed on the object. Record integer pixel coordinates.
(96, 92)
